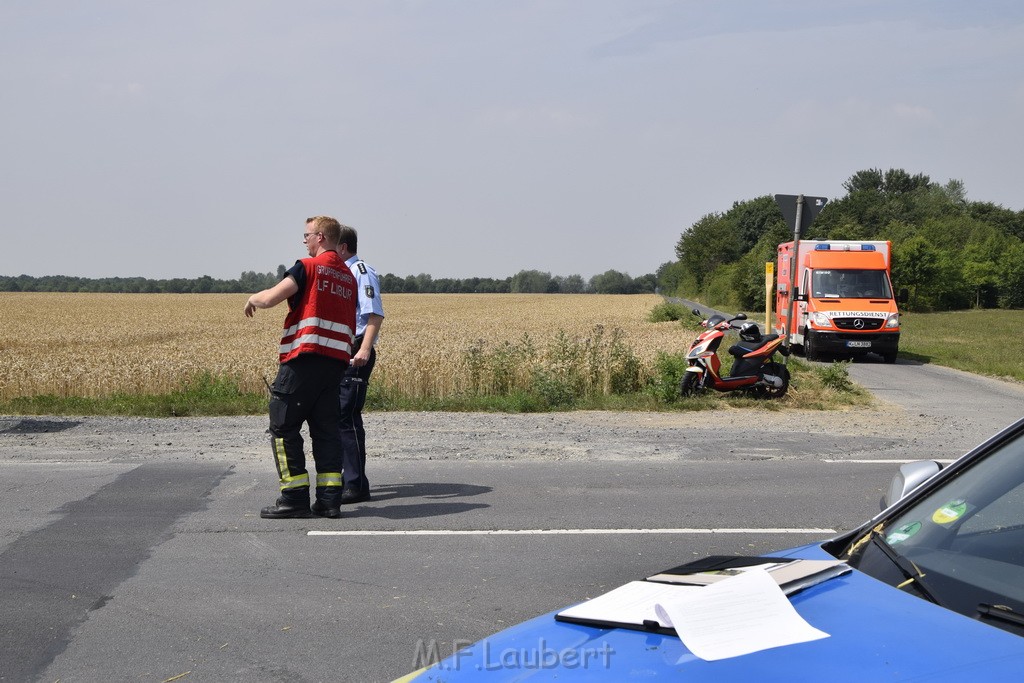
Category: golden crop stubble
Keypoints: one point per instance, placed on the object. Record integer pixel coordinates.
(425, 337)
(94, 345)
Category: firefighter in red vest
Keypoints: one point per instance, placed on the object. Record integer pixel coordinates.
(316, 346)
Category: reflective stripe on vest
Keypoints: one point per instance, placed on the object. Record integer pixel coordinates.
(310, 336)
(311, 340)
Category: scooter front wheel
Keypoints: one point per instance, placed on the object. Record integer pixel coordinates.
(688, 385)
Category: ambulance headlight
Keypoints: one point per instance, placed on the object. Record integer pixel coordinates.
(893, 321)
(821, 320)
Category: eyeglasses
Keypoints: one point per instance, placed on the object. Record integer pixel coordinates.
(307, 235)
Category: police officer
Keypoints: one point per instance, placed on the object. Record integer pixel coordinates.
(315, 349)
(370, 315)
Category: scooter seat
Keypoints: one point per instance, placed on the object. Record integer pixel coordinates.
(743, 347)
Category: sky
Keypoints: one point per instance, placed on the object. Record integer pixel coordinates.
(474, 138)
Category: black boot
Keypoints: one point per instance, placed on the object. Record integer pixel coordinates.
(293, 504)
(328, 502)
(351, 496)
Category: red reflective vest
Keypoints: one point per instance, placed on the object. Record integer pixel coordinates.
(323, 320)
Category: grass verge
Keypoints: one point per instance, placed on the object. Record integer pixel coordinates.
(812, 388)
(205, 395)
(978, 341)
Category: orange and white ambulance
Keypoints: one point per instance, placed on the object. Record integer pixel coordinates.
(844, 303)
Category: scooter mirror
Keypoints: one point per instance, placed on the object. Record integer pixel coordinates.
(740, 316)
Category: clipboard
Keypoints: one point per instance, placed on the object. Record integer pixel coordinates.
(792, 574)
(629, 606)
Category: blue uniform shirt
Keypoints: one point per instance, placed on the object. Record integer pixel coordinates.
(369, 292)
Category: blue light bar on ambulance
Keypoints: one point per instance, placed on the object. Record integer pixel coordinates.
(844, 247)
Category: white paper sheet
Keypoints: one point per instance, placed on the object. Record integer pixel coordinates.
(742, 614)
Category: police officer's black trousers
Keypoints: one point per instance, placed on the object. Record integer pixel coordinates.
(306, 390)
(353, 436)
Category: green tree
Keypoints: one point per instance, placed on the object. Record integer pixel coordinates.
(981, 264)
(203, 285)
(670, 277)
(755, 218)
(612, 282)
(390, 282)
(899, 182)
(870, 180)
(915, 264)
(573, 284)
(532, 282)
(1011, 276)
(1010, 222)
(711, 242)
(424, 283)
(748, 276)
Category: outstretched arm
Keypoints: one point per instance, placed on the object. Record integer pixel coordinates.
(272, 296)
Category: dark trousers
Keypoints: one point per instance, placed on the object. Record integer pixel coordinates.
(306, 390)
(353, 436)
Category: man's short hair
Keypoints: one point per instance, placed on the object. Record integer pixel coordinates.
(349, 237)
(330, 227)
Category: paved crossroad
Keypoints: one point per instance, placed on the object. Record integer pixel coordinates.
(117, 569)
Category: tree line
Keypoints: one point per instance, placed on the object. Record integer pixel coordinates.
(949, 252)
(523, 282)
(249, 281)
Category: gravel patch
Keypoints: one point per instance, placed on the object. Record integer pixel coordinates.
(471, 436)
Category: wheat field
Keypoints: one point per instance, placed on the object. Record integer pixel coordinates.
(98, 345)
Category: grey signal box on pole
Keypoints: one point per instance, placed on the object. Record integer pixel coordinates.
(790, 203)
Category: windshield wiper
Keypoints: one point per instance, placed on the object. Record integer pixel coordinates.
(1001, 613)
(907, 567)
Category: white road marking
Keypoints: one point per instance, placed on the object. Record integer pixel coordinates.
(889, 462)
(549, 532)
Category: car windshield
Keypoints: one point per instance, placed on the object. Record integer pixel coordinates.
(855, 284)
(963, 543)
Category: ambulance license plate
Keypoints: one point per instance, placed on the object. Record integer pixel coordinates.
(858, 344)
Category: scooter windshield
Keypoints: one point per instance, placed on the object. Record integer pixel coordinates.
(714, 320)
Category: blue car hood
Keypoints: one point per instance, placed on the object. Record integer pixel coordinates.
(877, 633)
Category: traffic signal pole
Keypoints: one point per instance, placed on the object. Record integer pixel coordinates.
(792, 273)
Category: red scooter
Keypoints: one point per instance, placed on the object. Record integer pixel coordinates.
(754, 369)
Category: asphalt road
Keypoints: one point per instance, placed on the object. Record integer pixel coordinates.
(119, 569)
